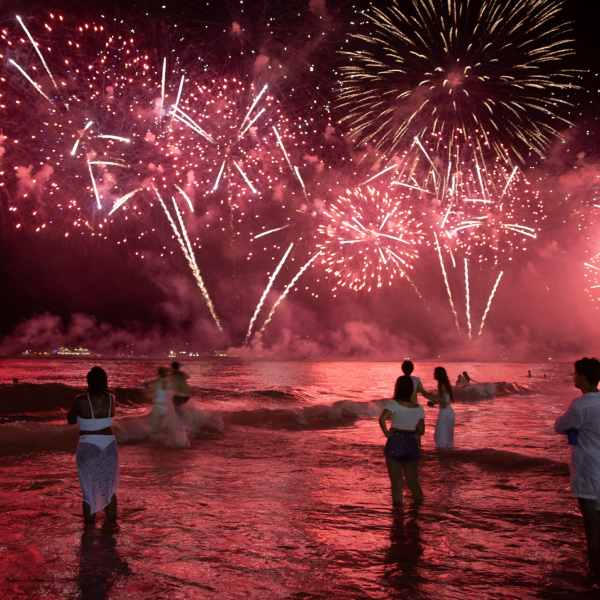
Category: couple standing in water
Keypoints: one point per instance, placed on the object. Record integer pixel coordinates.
(402, 451)
(165, 386)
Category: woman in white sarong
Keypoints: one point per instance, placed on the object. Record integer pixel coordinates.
(444, 427)
(97, 455)
(161, 392)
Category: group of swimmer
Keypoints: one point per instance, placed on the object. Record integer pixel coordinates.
(402, 451)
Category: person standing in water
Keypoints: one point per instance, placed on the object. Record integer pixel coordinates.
(407, 369)
(582, 420)
(444, 427)
(401, 449)
(161, 391)
(181, 391)
(97, 455)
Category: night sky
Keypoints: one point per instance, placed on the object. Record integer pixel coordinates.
(78, 290)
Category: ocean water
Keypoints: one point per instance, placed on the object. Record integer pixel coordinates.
(273, 485)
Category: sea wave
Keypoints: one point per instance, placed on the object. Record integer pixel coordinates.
(482, 391)
(27, 401)
(195, 421)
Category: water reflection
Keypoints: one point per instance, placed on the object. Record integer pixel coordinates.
(100, 564)
(403, 561)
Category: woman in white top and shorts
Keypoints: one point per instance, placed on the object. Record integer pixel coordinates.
(401, 449)
(97, 455)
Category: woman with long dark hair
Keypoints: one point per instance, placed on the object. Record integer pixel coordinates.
(444, 427)
(97, 455)
(401, 449)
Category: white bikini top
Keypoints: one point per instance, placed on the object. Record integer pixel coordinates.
(94, 424)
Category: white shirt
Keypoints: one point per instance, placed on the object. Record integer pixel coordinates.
(415, 381)
(403, 417)
(584, 415)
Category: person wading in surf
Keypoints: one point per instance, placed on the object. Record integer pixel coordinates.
(401, 449)
(583, 418)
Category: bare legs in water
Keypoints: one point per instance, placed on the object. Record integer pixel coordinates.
(411, 472)
(110, 510)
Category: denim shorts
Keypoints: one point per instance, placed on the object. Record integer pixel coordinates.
(402, 447)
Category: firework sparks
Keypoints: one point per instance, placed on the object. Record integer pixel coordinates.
(126, 125)
(592, 275)
(482, 209)
(368, 239)
(455, 68)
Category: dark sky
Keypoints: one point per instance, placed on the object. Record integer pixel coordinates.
(46, 274)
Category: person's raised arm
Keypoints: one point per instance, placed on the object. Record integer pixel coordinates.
(385, 415)
(72, 414)
(436, 399)
(420, 388)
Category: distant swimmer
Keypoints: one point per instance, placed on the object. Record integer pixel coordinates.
(401, 449)
(444, 427)
(15, 381)
(582, 423)
(461, 380)
(161, 392)
(181, 391)
(97, 455)
(529, 375)
(467, 380)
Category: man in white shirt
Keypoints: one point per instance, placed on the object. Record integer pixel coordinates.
(583, 416)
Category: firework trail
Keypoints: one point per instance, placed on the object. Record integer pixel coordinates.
(489, 304)
(468, 296)
(267, 289)
(288, 287)
(439, 250)
(367, 238)
(455, 67)
(189, 255)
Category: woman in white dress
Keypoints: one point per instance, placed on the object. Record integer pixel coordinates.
(161, 392)
(444, 428)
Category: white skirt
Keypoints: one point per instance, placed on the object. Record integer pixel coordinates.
(98, 470)
(444, 428)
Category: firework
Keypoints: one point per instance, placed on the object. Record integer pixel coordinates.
(592, 275)
(456, 67)
(480, 209)
(116, 129)
(368, 239)
(481, 213)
